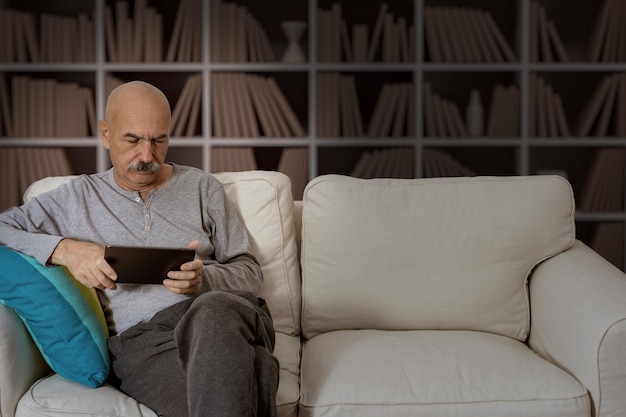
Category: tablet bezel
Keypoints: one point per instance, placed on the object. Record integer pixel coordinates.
(145, 264)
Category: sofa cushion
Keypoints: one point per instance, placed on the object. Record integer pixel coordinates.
(55, 396)
(264, 200)
(439, 253)
(63, 317)
(433, 373)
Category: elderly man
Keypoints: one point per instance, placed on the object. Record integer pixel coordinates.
(201, 343)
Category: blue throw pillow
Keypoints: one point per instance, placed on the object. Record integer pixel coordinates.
(63, 317)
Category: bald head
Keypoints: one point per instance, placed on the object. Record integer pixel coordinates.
(136, 96)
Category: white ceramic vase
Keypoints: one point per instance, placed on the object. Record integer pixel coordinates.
(294, 30)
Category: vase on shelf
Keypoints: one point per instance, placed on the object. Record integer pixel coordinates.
(294, 30)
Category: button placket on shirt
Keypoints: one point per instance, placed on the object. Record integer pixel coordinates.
(146, 214)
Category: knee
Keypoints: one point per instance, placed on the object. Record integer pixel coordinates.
(224, 304)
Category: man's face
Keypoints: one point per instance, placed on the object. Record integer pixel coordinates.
(137, 139)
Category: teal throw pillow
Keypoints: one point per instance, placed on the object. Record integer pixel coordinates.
(63, 316)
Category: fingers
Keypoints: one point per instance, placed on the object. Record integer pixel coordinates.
(187, 280)
(86, 263)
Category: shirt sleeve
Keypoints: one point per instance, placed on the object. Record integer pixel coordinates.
(34, 228)
(234, 265)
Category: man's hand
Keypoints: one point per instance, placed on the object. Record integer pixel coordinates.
(189, 278)
(86, 262)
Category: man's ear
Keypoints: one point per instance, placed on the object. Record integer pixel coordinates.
(103, 127)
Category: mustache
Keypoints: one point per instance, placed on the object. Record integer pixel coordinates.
(144, 166)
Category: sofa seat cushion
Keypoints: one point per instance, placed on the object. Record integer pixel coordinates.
(55, 396)
(432, 373)
(430, 253)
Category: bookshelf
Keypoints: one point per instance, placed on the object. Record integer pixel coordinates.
(382, 90)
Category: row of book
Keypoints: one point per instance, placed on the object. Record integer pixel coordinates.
(293, 163)
(442, 117)
(41, 107)
(392, 39)
(339, 108)
(30, 37)
(139, 38)
(251, 105)
(237, 36)
(605, 109)
(186, 112)
(20, 167)
(463, 34)
(545, 44)
(399, 162)
(394, 113)
(547, 116)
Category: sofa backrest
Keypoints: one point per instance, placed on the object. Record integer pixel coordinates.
(264, 200)
(444, 253)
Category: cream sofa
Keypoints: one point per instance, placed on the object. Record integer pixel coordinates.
(427, 297)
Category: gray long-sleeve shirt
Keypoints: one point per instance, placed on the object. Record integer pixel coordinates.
(192, 206)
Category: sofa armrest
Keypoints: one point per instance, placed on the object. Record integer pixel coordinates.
(21, 363)
(578, 309)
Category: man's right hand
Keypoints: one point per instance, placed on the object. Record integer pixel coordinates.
(86, 262)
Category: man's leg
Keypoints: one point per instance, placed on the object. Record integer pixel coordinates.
(145, 363)
(225, 342)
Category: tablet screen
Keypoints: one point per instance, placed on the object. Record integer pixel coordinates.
(145, 265)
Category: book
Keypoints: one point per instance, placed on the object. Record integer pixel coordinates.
(429, 115)
(557, 43)
(216, 107)
(442, 34)
(610, 46)
(603, 188)
(109, 25)
(499, 37)
(598, 32)
(608, 241)
(294, 163)
(620, 107)
(533, 32)
(592, 107)
(487, 48)
(285, 109)
(438, 163)
(399, 119)
(345, 107)
(561, 117)
(230, 159)
(360, 35)
(377, 31)
(432, 39)
(5, 107)
(383, 103)
(544, 37)
(608, 106)
(181, 108)
(261, 108)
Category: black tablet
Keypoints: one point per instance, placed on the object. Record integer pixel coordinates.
(145, 265)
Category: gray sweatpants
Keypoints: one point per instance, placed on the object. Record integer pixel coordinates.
(207, 356)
